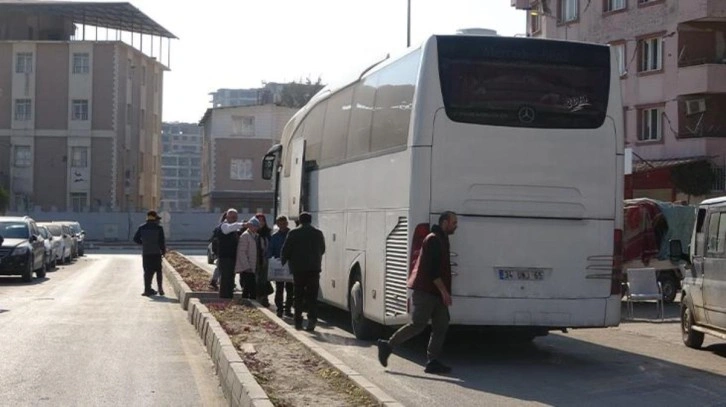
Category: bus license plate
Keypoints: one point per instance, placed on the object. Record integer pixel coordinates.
(521, 274)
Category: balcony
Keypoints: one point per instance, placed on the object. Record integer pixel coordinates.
(701, 79)
(701, 10)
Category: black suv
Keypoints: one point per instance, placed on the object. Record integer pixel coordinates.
(21, 250)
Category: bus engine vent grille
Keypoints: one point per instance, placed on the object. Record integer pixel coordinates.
(397, 269)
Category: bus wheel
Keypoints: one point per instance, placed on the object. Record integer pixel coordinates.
(363, 328)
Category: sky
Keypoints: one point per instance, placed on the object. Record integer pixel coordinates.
(241, 43)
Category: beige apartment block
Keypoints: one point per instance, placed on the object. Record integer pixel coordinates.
(234, 141)
(672, 62)
(80, 106)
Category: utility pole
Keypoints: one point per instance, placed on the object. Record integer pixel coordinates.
(408, 25)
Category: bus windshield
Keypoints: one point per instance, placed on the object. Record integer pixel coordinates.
(515, 83)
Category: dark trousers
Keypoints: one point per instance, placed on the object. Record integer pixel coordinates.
(249, 285)
(425, 307)
(226, 280)
(307, 285)
(280, 289)
(152, 265)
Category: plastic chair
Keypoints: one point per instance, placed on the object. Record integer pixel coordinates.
(642, 285)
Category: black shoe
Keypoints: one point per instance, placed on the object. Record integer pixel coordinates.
(279, 312)
(161, 292)
(384, 351)
(289, 313)
(298, 324)
(149, 293)
(311, 326)
(436, 367)
(213, 286)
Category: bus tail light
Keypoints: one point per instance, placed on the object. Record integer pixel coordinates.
(617, 276)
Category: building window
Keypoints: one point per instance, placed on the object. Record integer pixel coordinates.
(651, 124)
(22, 156)
(81, 63)
(535, 24)
(24, 62)
(620, 55)
(568, 10)
(243, 126)
(240, 169)
(651, 57)
(614, 5)
(78, 201)
(79, 157)
(23, 110)
(79, 109)
(648, 1)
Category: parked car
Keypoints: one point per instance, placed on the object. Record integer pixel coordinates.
(73, 239)
(78, 234)
(66, 242)
(703, 298)
(51, 246)
(21, 250)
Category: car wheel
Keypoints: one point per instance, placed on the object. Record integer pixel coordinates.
(670, 288)
(363, 328)
(40, 273)
(27, 275)
(692, 339)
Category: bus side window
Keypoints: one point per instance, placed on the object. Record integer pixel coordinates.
(313, 132)
(394, 103)
(700, 242)
(335, 132)
(359, 135)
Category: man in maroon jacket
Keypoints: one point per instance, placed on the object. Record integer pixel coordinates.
(430, 281)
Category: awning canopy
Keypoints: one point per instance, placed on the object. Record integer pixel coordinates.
(117, 16)
(651, 165)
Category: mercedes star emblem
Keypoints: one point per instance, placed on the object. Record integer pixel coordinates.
(526, 114)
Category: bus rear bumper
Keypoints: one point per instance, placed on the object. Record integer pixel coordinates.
(529, 312)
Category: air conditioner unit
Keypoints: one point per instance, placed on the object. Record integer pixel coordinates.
(695, 106)
(521, 4)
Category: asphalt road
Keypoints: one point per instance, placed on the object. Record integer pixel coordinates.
(84, 336)
(641, 363)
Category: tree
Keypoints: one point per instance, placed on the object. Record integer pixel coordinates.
(297, 94)
(694, 178)
(4, 200)
(197, 199)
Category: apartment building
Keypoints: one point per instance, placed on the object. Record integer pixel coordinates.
(672, 62)
(234, 141)
(181, 165)
(270, 93)
(80, 107)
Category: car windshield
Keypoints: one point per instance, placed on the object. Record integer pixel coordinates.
(14, 230)
(75, 228)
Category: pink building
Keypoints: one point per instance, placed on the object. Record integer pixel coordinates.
(673, 74)
(81, 89)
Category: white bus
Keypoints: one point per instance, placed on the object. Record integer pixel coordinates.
(521, 137)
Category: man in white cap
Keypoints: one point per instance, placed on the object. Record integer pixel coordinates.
(247, 259)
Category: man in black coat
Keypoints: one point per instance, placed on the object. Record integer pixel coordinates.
(304, 248)
(150, 236)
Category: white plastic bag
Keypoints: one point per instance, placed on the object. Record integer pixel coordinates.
(278, 272)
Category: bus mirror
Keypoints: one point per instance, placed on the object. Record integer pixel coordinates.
(268, 167)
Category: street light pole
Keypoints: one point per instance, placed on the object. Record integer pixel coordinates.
(408, 25)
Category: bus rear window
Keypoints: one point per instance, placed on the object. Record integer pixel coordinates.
(515, 82)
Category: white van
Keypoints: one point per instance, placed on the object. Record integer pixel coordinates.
(703, 301)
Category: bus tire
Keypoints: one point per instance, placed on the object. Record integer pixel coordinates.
(363, 328)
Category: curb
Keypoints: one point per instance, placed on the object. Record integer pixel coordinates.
(238, 383)
(182, 290)
(374, 391)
